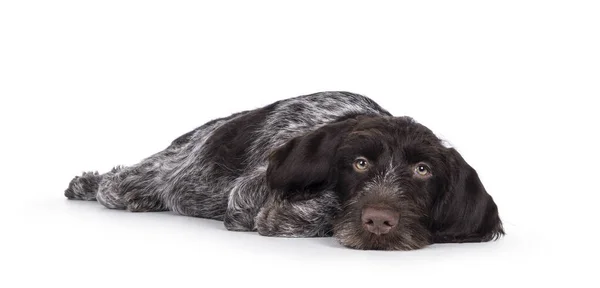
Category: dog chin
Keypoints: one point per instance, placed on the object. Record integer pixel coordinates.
(382, 242)
(352, 235)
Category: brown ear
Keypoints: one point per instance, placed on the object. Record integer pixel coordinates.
(464, 212)
(305, 164)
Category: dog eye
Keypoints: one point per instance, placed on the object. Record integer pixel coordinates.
(361, 164)
(422, 170)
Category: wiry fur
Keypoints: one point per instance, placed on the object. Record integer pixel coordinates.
(306, 217)
(275, 170)
(384, 189)
(190, 177)
(83, 187)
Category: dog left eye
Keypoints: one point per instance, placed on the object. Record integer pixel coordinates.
(422, 170)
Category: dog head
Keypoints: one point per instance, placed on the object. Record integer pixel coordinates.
(398, 186)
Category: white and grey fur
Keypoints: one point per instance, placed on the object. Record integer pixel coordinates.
(190, 177)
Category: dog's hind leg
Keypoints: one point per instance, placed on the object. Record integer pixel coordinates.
(84, 187)
(151, 185)
(133, 188)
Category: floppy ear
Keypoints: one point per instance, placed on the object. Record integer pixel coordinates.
(464, 211)
(305, 164)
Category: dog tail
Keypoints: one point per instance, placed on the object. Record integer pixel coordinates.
(84, 187)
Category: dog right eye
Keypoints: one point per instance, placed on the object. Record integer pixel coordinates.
(361, 164)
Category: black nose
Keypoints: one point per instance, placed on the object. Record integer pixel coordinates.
(379, 220)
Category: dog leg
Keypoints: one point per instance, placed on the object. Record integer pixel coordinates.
(304, 218)
(132, 188)
(121, 188)
(84, 187)
(247, 196)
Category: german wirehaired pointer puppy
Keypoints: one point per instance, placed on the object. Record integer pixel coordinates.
(327, 164)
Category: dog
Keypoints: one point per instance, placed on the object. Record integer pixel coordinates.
(319, 165)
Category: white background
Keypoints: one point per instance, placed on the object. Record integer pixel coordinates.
(86, 85)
